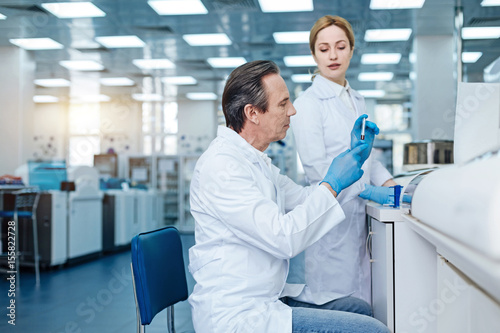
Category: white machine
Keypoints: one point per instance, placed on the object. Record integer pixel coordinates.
(84, 212)
(436, 262)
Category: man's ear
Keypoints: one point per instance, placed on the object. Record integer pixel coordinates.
(251, 113)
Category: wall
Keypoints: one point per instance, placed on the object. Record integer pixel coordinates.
(197, 121)
(16, 113)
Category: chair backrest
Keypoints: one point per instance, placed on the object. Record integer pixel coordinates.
(158, 270)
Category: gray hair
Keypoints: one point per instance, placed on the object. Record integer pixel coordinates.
(244, 86)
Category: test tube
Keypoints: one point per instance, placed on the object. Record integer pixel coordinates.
(363, 125)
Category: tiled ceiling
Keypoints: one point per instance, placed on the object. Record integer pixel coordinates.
(251, 32)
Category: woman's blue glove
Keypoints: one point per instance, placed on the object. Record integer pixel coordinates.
(371, 130)
(380, 194)
(346, 168)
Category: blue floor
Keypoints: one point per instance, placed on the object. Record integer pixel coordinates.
(95, 296)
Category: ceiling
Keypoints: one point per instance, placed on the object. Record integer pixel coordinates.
(251, 32)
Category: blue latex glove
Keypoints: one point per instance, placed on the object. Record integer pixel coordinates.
(380, 194)
(371, 130)
(346, 168)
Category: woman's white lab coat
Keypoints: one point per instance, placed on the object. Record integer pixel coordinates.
(250, 220)
(337, 265)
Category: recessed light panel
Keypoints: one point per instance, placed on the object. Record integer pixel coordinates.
(276, 6)
(36, 43)
(147, 97)
(387, 35)
(82, 65)
(481, 33)
(45, 99)
(396, 4)
(291, 37)
(207, 39)
(52, 83)
(202, 96)
(380, 58)
(376, 76)
(179, 80)
(372, 93)
(153, 63)
(178, 7)
(471, 57)
(299, 61)
(116, 81)
(302, 78)
(120, 41)
(226, 62)
(2, 16)
(73, 9)
(488, 3)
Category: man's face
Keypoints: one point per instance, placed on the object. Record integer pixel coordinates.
(276, 121)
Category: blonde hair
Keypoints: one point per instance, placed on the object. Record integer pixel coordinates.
(325, 22)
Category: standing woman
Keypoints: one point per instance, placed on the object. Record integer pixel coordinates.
(337, 267)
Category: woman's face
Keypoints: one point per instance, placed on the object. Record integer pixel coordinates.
(333, 53)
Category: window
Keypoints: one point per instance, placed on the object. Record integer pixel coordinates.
(159, 128)
(84, 140)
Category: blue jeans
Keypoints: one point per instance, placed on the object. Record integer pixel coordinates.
(333, 317)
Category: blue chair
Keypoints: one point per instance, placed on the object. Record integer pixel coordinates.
(26, 203)
(158, 275)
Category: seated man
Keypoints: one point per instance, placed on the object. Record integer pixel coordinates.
(250, 219)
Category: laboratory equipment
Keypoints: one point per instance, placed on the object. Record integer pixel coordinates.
(427, 153)
(84, 213)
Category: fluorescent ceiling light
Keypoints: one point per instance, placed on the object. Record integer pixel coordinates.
(52, 83)
(471, 57)
(301, 78)
(380, 58)
(147, 97)
(178, 7)
(36, 43)
(202, 96)
(45, 99)
(226, 62)
(291, 37)
(2, 16)
(81, 65)
(179, 80)
(376, 76)
(120, 41)
(387, 35)
(372, 93)
(299, 61)
(481, 33)
(90, 99)
(274, 6)
(153, 63)
(73, 9)
(488, 3)
(396, 4)
(117, 81)
(207, 39)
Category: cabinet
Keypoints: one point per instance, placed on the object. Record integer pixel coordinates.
(173, 175)
(403, 271)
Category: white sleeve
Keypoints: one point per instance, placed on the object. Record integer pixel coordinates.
(378, 173)
(308, 130)
(239, 203)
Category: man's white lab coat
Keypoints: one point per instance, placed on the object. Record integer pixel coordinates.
(250, 220)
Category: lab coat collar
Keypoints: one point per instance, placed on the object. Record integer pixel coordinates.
(245, 148)
(327, 89)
